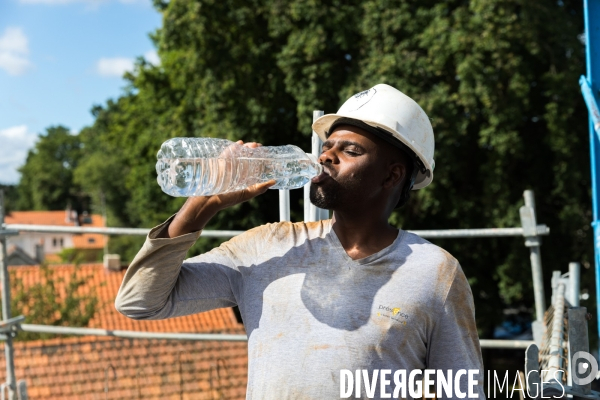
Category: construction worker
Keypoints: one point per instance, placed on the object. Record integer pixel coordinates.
(328, 304)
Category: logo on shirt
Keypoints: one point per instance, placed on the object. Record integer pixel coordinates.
(393, 313)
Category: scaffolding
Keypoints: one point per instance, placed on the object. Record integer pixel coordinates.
(590, 89)
(559, 332)
(562, 356)
(10, 326)
(560, 362)
(530, 230)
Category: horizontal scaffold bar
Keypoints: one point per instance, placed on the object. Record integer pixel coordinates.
(103, 231)
(66, 330)
(428, 234)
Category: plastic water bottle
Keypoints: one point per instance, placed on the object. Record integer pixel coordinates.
(206, 166)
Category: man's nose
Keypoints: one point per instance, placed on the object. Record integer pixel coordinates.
(327, 156)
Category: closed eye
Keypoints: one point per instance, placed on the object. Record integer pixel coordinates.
(351, 148)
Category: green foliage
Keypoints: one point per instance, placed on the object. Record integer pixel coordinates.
(498, 78)
(47, 176)
(52, 301)
(11, 197)
(70, 255)
(78, 256)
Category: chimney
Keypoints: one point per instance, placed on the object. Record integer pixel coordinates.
(71, 216)
(69, 213)
(112, 262)
(39, 253)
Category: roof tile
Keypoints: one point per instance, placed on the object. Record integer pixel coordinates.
(106, 284)
(77, 367)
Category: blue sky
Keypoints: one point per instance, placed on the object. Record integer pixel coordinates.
(58, 58)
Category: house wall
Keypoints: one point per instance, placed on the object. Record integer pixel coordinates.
(28, 240)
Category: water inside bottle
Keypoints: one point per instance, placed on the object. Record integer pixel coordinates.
(186, 177)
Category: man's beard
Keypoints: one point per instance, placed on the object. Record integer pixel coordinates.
(325, 198)
(340, 192)
(335, 195)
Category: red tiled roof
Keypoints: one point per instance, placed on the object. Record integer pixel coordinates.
(59, 218)
(106, 284)
(76, 367)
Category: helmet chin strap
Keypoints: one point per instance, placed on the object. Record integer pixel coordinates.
(412, 178)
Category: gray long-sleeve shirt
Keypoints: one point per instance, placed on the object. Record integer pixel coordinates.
(310, 311)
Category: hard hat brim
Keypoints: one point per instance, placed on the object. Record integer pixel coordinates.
(322, 126)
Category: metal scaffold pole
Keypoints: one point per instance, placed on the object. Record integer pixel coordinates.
(533, 241)
(8, 344)
(284, 205)
(590, 88)
(312, 212)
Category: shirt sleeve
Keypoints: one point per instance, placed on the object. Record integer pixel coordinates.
(454, 343)
(159, 284)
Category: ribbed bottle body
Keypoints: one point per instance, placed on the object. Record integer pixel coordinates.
(206, 166)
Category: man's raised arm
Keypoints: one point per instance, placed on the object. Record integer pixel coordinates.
(155, 283)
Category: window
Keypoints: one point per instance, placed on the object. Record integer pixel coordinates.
(54, 242)
(91, 240)
(62, 242)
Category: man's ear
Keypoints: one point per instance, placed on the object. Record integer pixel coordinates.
(396, 175)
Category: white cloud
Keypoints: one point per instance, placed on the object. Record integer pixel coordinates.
(117, 66)
(14, 40)
(52, 2)
(16, 142)
(92, 3)
(13, 64)
(114, 66)
(152, 57)
(14, 48)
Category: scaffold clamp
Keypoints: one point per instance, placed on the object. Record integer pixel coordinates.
(11, 324)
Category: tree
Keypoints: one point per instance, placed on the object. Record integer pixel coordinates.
(11, 197)
(47, 175)
(52, 301)
(498, 79)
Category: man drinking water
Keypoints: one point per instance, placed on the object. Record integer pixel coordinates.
(352, 293)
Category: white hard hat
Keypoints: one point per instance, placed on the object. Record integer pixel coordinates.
(389, 111)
